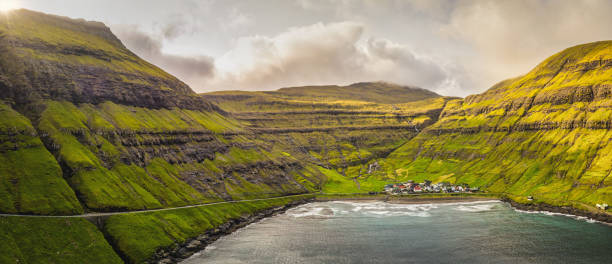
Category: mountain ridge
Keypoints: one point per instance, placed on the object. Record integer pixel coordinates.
(375, 92)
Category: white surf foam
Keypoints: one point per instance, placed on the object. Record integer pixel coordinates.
(577, 217)
(313, 210)
(380, 208)
(475, 208)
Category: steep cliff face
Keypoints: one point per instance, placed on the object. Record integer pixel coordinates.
(342, 128)
(104, 130)
(545, 134)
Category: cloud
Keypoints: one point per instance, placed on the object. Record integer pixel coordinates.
(174, 28)
(453, 47)
(510, 37)
(479, 42)
(236, 20)
(193, 70)
(333, 53)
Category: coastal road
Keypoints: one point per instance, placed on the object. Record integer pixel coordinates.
(94, 214)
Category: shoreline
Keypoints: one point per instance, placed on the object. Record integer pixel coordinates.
(199, 243)
(414, 199)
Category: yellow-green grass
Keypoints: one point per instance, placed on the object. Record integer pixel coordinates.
(53, 240)
(31, 180)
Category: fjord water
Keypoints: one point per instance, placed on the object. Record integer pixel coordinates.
(378, 232)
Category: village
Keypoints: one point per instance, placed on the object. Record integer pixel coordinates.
(427, 187)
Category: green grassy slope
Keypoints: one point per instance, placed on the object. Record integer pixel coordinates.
(123, 157)
(545, 134)
(30, 178)
(53, 240)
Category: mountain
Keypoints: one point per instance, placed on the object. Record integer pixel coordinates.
(88, 126)
(341, 128)
(125, 134)
(545, 134)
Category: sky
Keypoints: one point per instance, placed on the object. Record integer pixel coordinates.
(452, 47)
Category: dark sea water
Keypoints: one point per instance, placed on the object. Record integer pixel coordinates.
(377, 232)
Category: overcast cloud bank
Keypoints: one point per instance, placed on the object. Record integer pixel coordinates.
(450, 47)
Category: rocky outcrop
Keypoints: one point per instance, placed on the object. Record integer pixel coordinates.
(568, 210)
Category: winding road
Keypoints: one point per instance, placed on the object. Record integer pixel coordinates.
(94, 214)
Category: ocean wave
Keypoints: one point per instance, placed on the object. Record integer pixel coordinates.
(576, 217)
(312, 211)
(373, 209)
(475, 208)
(382, 209)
